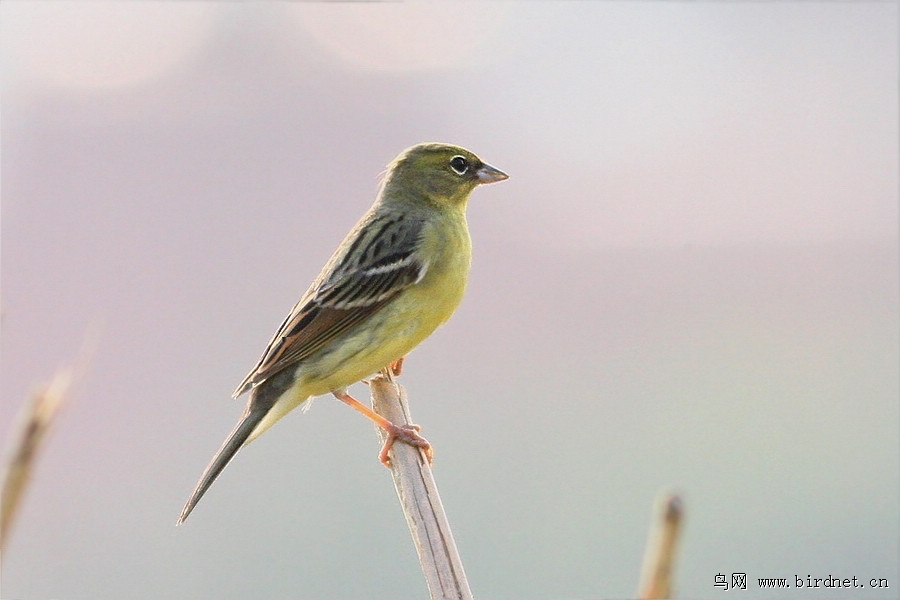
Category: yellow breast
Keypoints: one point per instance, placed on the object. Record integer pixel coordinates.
(408, 319)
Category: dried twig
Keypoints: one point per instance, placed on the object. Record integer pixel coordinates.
(28, 434)
(656, 579)
(420, 500)
(34, 420)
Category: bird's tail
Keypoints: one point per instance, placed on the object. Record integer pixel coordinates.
(239, 436)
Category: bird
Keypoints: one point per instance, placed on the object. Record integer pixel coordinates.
(397, 276)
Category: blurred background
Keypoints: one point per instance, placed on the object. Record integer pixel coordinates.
(688, 283)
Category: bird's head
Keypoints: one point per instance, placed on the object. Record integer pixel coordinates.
(440, 174)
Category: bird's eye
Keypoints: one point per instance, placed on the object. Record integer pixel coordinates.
(459, 164)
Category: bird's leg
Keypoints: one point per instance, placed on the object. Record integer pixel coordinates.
(396, 367)
(405, 433)
(392, 370)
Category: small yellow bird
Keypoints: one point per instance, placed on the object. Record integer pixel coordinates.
(398, 275)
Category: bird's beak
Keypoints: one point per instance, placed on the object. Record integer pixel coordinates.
(488, 174)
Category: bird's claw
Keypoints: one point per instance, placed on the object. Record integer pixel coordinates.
(396, 367)
(408, 434)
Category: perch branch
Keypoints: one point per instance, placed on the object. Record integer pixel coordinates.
(420, 500)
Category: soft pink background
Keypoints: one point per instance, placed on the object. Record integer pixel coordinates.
(689, 282)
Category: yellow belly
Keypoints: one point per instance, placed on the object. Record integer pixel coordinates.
(393, 331)
(403, 323)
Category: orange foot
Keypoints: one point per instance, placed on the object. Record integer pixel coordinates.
(405, 433)
(396, 367)
(408, 434)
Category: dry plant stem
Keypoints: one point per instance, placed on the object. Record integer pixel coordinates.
(420, 500)
(27, 437)
(34, 420)
(657, 572)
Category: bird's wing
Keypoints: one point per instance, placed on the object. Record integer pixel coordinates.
(380, 258)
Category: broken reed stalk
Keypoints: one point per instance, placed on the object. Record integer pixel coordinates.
(420, 500)
(27, 437)
(659, 559)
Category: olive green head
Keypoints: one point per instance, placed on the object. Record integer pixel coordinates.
(440, 174)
